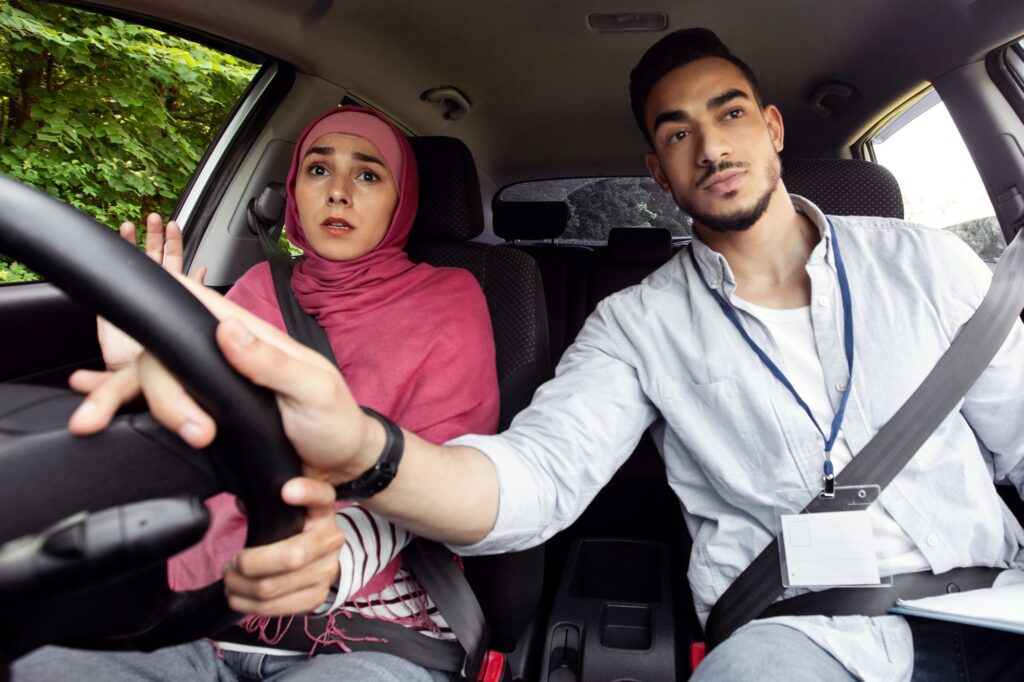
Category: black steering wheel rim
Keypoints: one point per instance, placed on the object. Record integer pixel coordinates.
(91, 264)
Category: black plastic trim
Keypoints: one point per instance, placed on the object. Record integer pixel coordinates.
(250, 129)
(1006, 69)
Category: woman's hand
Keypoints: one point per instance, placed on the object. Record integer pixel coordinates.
(294, 575)
(165, 247)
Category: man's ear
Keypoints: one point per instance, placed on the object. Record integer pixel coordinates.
(776, 130)
(654, 168)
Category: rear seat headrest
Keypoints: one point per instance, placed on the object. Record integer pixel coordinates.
(845, 186)
(640, 245)
(450, 205)
(530, 219)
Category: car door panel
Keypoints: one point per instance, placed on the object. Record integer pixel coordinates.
(45, 335)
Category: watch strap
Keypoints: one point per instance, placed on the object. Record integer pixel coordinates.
(377, 477)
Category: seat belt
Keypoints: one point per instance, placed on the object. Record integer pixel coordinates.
(431, 563)
(885, 455)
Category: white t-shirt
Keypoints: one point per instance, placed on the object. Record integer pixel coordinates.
(793, 334)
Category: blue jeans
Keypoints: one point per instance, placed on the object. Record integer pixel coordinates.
(199, 661)
(942, 652)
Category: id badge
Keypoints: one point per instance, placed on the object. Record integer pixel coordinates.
(833, 548)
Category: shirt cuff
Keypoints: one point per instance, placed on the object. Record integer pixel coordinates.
(519, 504)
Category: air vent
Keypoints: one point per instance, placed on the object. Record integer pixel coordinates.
(628, 22)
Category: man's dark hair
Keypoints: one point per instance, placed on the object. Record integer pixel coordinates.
(674, 50)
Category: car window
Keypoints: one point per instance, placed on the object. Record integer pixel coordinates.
(940, 184)
(105, 115)
(596, 205)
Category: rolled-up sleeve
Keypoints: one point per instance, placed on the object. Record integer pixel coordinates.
(560, 451)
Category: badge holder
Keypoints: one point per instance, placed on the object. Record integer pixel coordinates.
(834, 547)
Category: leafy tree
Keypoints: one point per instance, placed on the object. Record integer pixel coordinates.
(983, 235)
(107, 116)
(599, 206)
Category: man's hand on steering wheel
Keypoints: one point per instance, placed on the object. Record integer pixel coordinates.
(334, 438)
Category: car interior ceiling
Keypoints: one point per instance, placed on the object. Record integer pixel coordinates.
(562, 283)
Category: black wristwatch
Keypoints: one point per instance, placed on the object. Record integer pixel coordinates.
(377, 477)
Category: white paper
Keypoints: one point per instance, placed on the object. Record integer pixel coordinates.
(830, 549)
(988, 607)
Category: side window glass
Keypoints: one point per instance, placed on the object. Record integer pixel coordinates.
(105, 115)
(941, 186)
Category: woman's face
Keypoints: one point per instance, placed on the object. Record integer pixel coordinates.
(345, 196)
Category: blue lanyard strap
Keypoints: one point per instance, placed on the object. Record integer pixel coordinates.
(844, 290)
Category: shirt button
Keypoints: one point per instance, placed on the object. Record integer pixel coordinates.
(840, 386)
(823, 301)
(714, 283)
(932, 540)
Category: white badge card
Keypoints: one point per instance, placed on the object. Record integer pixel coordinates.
(831, 548)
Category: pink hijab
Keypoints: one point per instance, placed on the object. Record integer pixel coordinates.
(413, 342)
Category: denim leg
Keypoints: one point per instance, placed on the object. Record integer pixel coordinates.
(193, 661)
(767, 653)
(948, 651)
(361, 666)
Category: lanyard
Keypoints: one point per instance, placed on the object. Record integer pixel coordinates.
(844, 290)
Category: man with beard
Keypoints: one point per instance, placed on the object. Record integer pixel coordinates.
(739, 355)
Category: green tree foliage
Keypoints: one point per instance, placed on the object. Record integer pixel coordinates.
(107, 116)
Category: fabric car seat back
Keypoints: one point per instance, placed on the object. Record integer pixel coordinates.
(845, 186)
(450, 215)
(564, 268)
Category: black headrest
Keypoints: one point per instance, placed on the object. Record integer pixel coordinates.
(450, 205)
(530, 219)
(845, 186)
(640, 245)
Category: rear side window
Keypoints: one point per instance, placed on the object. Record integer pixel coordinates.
(940, 184)
(596, 205)
(105, 115)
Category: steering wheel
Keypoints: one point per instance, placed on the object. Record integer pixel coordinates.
(251, 456)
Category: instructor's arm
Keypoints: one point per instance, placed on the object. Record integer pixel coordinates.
(449, 494)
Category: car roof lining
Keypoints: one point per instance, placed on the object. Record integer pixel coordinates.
(393, 51)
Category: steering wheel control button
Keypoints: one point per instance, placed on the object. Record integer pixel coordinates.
(90, 547)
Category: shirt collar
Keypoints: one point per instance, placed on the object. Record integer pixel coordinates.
(719, 275)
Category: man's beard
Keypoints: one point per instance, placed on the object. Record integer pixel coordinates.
(741, 219)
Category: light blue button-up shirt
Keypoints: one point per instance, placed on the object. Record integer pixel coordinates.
(662, 355)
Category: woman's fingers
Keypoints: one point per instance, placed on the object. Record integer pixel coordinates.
(198, 274)
(127, 232)
(173, 248)
(296, 574)
(105, 398)
(172, 406)
(300, 601)
(155, 238)
(86, 380)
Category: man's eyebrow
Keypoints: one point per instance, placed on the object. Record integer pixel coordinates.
(727, 96)
(674, 116)
(326, 151)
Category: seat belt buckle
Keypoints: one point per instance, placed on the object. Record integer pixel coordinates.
(492, 669)
(697, 652)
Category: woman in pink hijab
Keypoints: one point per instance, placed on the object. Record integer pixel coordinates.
(414, 343)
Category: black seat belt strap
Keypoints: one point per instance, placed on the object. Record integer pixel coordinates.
(895, 444)
(435, 569)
